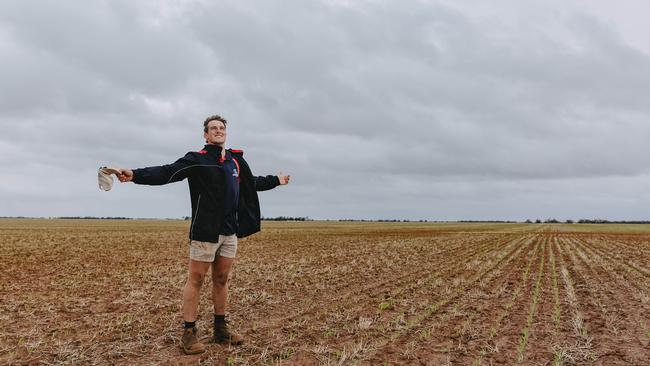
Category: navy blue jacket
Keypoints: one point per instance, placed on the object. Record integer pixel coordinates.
(206, 178)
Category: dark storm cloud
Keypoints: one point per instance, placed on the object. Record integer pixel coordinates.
(429, 80)
(115, 42)
(418, 109)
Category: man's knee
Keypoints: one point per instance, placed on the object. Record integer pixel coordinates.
(195, 279)
(220, 279)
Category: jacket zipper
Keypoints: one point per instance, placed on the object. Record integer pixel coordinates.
(196, 216)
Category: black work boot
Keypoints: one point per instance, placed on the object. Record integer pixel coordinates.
(223, 335)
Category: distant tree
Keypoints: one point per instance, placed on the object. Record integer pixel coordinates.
(538, 221)
(529, 221)
(569, 221)
(287, 218)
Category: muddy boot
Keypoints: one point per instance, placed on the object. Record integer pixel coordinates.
(223, 335)
(190, 342)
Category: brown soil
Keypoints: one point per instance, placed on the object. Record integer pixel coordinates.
(315, 293)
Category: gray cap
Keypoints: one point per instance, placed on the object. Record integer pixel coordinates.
(105, 178)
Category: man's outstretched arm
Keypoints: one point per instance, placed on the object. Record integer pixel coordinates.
(271, 181)
(159, 175)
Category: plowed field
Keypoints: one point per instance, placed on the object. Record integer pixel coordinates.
(310, 293)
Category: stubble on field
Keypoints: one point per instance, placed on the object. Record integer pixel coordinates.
(317, 293)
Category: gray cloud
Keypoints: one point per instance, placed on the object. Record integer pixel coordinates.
(440, 110)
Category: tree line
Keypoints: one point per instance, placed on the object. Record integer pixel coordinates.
(587, 221)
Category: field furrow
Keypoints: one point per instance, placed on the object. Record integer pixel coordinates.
(326, 293)
(577, 346)
(492, 340)
(446, 310)
(540, 322)
(629, 257)
(624, 340)
(402, 273)
(620, 265)
(377, 313)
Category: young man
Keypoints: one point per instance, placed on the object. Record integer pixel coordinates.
(225, 206)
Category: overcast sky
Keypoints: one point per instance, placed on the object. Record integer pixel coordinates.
(440, 110)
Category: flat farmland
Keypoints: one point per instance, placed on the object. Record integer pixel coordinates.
(321, 293)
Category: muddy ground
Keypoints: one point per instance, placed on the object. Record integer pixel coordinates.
(319, 293)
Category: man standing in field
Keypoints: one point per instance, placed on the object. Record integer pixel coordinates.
(225, 206)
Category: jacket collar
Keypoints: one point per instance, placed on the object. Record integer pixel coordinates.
(213, 149)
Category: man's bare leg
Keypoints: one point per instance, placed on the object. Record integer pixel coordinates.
(220, 271)
(197, 271)
(190, 342)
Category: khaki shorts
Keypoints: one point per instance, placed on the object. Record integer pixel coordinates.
(204, 251)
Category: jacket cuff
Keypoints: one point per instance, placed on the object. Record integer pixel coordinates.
(137, 175)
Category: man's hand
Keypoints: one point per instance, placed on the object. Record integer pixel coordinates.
(125, 175)
(284, 179)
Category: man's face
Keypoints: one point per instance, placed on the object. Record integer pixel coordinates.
(216, 134)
